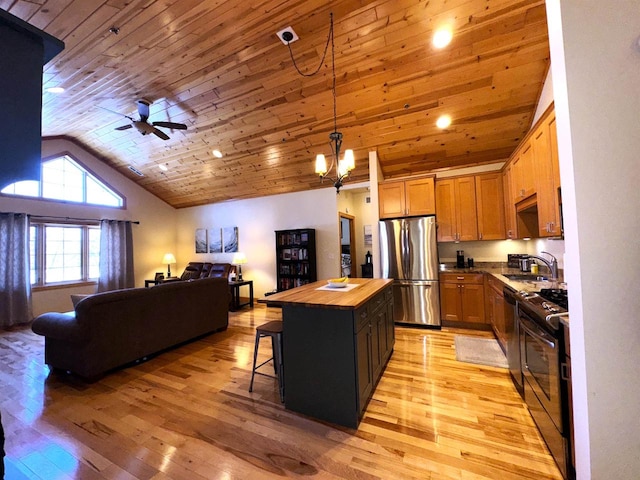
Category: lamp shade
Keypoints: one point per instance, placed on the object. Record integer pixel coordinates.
(239, 259)
(321, 164)
(168, 259)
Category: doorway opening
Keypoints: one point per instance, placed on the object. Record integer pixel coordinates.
(347, 245)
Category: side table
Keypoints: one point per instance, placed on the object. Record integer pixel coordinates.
(234, 286)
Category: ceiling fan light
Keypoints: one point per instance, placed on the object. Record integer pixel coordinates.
(217, 153)
(321, 164)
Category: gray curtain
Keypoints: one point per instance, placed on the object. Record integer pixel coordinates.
(116, 255)
(15, 284)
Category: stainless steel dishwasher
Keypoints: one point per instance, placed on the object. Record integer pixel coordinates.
(513, 338)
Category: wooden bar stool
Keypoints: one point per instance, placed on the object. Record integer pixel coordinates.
(274, 330)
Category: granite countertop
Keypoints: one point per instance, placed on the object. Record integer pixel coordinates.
(499, 269)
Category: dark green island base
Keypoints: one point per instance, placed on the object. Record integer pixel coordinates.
(335, 347)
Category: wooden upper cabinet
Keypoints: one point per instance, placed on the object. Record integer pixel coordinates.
(490, 206)
(548, 177)
(407, 198)
(523, 174)
(456, 209)
(391, 199)
(420, 196)
(509, 205)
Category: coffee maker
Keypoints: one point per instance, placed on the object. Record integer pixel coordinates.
(460, 259)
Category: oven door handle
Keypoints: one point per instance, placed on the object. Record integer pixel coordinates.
(535, 333)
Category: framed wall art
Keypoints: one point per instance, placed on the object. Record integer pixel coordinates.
(230, 239)
(215, 240)
(201, 240)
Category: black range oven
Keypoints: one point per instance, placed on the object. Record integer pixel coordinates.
(541, 351)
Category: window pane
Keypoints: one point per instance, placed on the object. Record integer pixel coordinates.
(32, 253)
(62, 179)
(100, 195)
(26, 188)
(94, 253)
(63, 261)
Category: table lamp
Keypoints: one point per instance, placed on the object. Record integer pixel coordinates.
(239, 259)
(168, 259)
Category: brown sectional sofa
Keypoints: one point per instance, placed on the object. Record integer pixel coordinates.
(111, 329)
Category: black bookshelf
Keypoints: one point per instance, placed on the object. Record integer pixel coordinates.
(295, 257)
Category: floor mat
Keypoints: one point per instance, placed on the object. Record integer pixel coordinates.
(482, 351)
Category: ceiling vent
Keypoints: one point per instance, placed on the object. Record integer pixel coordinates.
(136, 171)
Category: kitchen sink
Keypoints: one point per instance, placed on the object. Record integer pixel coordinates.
(524, 277)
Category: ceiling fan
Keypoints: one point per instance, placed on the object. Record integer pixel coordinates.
(144, 126)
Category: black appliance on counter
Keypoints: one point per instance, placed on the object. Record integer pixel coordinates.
(541, 340)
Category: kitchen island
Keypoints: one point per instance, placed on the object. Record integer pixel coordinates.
(336, 343)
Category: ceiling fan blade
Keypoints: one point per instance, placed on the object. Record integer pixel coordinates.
(160, 134)
(143, 110)
(123, 127)
(117, 113)
(176, 126)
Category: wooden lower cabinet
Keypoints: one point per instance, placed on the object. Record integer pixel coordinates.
(494, 304)
(462, 297)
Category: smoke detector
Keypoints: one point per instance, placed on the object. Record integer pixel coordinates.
(287, 35)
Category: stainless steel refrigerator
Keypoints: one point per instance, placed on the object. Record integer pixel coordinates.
(409, 255)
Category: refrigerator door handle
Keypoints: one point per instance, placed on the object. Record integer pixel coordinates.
(405, 246)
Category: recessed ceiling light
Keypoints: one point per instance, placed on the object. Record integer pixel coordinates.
(217, 153)
(442, 37)
(163, 167)
(444, 121)
(55, 89)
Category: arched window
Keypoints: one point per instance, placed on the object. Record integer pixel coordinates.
(65, 180)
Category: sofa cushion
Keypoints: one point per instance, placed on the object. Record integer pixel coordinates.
(76, 297)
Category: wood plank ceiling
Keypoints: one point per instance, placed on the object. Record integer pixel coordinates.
(218, 66)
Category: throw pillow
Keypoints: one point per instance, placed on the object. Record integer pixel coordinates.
(75, 298)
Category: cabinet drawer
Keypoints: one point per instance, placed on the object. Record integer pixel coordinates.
(473, 278)
(361, 317)
(377, 302)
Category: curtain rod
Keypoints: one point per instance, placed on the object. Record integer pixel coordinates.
(51, 217)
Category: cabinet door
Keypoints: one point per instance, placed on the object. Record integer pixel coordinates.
(524, 173)
(445, 210)
(420, 196)
(365, 372)
(391, 198)
(509, 205)
(473, 303)
(391, 329)
(450, 302)
(490, 206)
(466, 214)
(499, 324)
(546, 156)
(378, 342)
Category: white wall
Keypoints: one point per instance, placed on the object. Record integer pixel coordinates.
(596, 77)
(257, 219)
(149, 241)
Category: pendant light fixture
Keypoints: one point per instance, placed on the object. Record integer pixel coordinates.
(344, 166)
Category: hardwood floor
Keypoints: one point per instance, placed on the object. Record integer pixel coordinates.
(187, 414)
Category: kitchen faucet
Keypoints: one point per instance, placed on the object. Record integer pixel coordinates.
(552, 264)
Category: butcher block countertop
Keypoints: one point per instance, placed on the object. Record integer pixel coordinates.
(359, 291)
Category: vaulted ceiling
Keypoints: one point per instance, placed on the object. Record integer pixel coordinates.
(218, 67)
